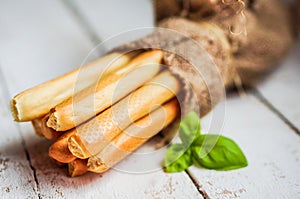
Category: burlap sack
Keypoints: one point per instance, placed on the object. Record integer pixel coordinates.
(211, 24)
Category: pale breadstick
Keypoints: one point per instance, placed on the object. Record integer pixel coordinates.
(133, 137)
(91, 137)
(77, 167)
(110, 89)
(59, 149)
(37, 101)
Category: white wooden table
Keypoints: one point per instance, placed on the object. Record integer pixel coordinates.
(42, 39)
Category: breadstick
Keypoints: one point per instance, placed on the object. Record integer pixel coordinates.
(59, 150)
(41, 128)
(77, 167)
(91, 137)
(37, 126)
(133, 137)
(47, 132)
(89, 102)
(37, 101)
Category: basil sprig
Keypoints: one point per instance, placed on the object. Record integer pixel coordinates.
(207, 150)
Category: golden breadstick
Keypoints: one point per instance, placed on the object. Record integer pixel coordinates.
(47, 132)
(77, 167)
(59, 150)
(91, 137)
(133, 137)
(41, 128)
(37, 101)
(110, 89)
(37, 126)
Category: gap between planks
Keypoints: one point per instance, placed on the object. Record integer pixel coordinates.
(85, 25)
(258, 95)
(6, 97)
(197, 185)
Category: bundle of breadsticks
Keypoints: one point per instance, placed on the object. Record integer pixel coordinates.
(102, 112)
(131, 100)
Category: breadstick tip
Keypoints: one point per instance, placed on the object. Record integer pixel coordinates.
(77, 148)
(96, 165)
(77, 167)
(14, 110)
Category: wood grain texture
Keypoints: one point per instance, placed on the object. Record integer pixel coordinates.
(272, 150)
(13, 160)
(282, 87)
(54, 182)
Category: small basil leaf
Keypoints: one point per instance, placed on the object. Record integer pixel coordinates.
(189, 128)
(177, 158)
(218, 152)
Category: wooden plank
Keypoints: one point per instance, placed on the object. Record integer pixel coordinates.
(112, 184)
(58, 51)
(282, 87)
(39, 41)
(16, 176)
(114, 18)
(271, 147)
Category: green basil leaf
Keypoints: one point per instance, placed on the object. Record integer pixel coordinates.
(177, 158)
(189, 128)
(218, 152)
